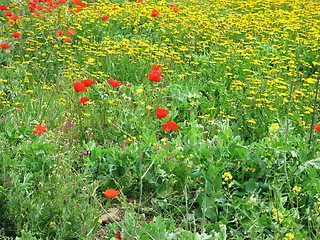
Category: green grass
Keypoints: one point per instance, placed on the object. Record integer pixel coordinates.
(239, 78)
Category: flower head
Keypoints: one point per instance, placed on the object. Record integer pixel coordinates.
(71, 31)
(83, 100)
(16, 35)
(114, 83)
(87, 82)
(67, 39)
(111, 193)
(59, 32)
(8, 13)
(14, 17)
(156, 69)
(5, 46)
(40, 129)
(79, 87)
(170, 126)
(3, 7)
(154, 13)
(104, 18)
(161, 113)
(317, 127)
(175, 9)
(154, 77)
(79, 3)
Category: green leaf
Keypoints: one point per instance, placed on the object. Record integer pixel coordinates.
(250, 185)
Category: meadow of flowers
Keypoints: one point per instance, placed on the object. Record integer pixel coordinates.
(138, 119)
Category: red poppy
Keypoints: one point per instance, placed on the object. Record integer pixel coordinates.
(16, 35)
(83, 100)
(114, 83)
(3, 7)
(170, 126)
(87, 82)
(156, 69)
(175, 9)
(5, 46)
(171, 4)
(154, 13)
(39, 7)
(104, 18)
(79, 87)
(317, 127)
(71, 31)
(67, 39)
(79, 3)
(111, 193)
(14, 17)
(161, 113)
(118, 235)
(40, 129)
(8, 13)
(154, 77)
(60, 32)
(139, 1)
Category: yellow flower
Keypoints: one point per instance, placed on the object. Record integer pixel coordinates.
(251, 121)
(296, 189)
(289, 236)
(274, 127)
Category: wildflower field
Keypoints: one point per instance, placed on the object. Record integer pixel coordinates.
(193, 119)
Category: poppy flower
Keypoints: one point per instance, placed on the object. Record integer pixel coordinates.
(5, 46)
(14, 17)
(171, 4)
(3, 7)
(170, 126)
(154, 77)
(161, 113)
(71, 31)
(114, 83)
(87, 82)
(67, 39)
(118, 235)
(175, 9)
(83, 100)
(111, 193)
(317, 127)
(16, 35)
(104, 18)
(154, 13)
(79, 3)
(40, 129)
(60, 32)
(156, 69)
(79, 87)
(39, 7)
(8, 13)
